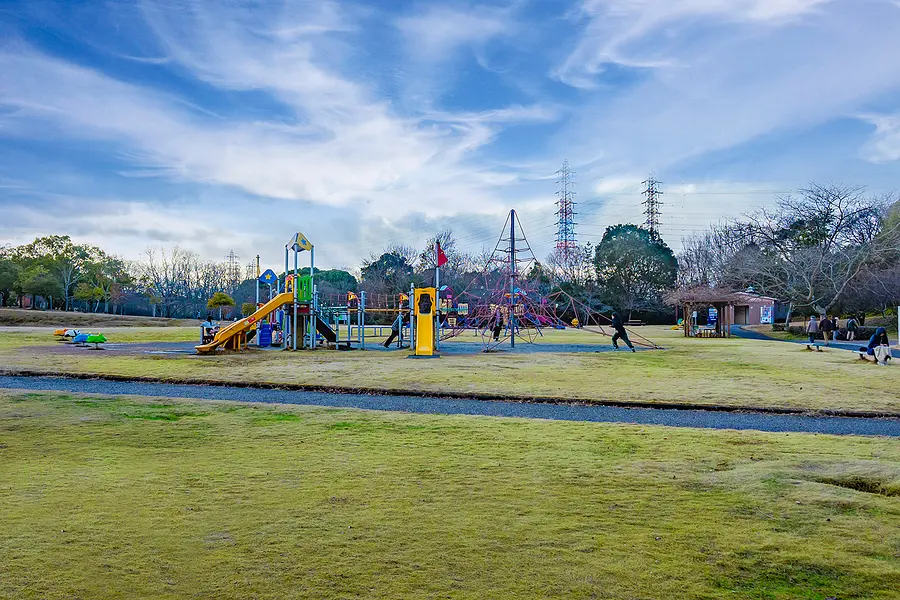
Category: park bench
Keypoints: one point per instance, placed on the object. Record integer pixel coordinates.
(634, 323)
(707, 332)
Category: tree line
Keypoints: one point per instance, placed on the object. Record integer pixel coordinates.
(629, 270)
(827, 248)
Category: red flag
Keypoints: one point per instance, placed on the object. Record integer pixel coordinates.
(441, 257)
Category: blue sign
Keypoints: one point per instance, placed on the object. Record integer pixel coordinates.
(269, 277)
(713, 316)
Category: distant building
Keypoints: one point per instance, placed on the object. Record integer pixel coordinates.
(753, 309)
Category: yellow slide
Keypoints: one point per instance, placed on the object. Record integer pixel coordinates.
(244, 325)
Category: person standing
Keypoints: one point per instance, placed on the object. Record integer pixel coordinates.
(620, 333)
(497, 324)
(852, 326)
(835, 328)
(826, 328)
(812, 329)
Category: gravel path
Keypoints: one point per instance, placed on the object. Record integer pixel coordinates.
(425, 405)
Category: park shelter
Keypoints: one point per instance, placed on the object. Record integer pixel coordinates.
(693, 300)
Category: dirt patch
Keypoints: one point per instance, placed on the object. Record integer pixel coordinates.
(869, 485)
(870, 478)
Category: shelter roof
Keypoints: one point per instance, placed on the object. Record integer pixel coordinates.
(703, 295)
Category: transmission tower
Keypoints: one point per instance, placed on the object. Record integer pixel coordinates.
(652, 204)
(566, 242)
(232, 270)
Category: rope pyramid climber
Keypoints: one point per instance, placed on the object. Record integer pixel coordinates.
(505, 304)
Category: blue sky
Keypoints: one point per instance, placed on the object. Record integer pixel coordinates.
(220, 125)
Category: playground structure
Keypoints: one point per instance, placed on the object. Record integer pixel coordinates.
(419, 326)
(504, 302)
(293, 311)
(425, 315)
(297, 317)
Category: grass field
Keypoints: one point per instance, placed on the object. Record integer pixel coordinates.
(730, 372)
(142, 498)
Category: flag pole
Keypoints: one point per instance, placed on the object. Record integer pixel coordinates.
(437, 287)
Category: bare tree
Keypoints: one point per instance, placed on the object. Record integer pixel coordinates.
(813, 246)
(811, 249)
(575, 267)
(178, 281)
(710, 257)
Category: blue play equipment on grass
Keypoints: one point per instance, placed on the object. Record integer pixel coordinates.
(83, 339)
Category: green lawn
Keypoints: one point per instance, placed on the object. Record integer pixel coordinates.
(140, 498)
(732, 372)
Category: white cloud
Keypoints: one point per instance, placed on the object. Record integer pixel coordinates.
(640, 33)
(336, 145)
(370, 156)
(352, 143)
(737, 87)
(436, 33)
(884, 146)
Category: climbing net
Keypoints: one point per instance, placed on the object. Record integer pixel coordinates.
(504, 302)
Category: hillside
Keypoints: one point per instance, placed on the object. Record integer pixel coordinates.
(17, 317)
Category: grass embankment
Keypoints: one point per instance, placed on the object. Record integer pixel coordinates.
(17, 317)
(729, 372)
(40, 339)
(141, 498)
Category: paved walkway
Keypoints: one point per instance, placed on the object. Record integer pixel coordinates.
(739, 331)
(442, 406)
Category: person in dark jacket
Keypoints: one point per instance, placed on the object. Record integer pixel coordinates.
(620, 333)
(852, 326)
(497, 325)
(396, 326)
(879, 347)
(826, 327)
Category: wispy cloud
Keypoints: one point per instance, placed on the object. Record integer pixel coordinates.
(441, 29)
(884, 146)
(731, 89)
(641, 33)
(385, 121)
(341, 145)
